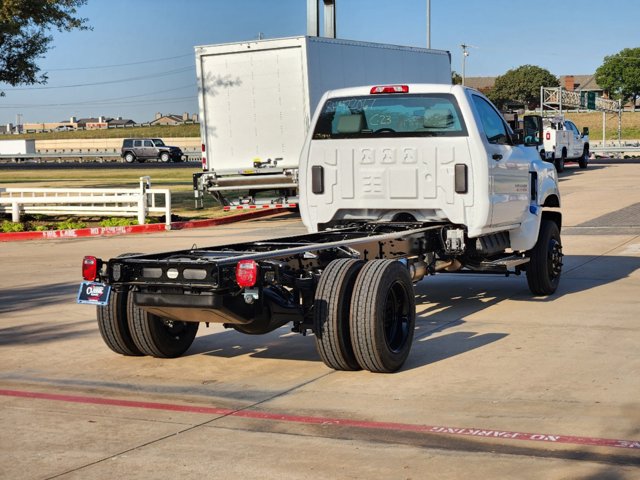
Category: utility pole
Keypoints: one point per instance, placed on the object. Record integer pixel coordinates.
(428, 23)
(465, 54)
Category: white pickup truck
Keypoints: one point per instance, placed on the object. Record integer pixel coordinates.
(398, 183)
(563, 142)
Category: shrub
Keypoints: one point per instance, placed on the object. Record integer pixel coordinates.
(118, 222)
(8, 226)
(70, 225)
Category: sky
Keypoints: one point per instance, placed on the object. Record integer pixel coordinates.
(138, 59)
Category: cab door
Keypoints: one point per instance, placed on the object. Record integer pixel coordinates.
(508, 166)
(575, 140)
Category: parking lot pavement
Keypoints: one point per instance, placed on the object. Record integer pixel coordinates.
(498, 384)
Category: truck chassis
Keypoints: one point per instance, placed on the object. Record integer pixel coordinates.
(351, 286)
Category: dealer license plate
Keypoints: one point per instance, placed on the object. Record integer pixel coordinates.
(94, 293)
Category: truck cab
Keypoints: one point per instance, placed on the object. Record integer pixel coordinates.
(426, 153)
(563, 142)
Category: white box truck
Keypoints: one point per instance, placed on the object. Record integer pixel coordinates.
(256, 99)
(17, 149)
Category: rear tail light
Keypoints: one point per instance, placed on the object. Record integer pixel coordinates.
(389, 89)
(204, 158)
(90, 268)
(246, 273)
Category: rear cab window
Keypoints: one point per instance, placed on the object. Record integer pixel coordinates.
(393, 115)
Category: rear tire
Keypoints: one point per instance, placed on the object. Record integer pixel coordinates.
(331, 314)
(545, 264)
(129, 157)
(113, 325)
(157, 336)
(383, 316)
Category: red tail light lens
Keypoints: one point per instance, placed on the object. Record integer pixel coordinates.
(90, 268)
(204, 163)
(389, 89)
(246, 273)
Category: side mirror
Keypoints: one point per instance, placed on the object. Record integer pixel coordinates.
(585, 131)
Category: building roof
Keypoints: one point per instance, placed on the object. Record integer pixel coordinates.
(581, 82)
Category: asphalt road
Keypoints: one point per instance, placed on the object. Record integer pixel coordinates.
(498, 384)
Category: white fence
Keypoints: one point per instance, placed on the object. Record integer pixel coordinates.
(88, 202)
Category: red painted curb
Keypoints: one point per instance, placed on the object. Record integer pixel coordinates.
(134, 229)
(330, 422)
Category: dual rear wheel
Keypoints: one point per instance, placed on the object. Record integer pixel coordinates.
(128, 330)
(364, 315)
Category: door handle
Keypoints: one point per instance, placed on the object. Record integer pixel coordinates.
(496, 156)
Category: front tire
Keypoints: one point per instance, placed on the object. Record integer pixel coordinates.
(113, 325)
(331, 314)
(559, 162)
(165, 157)
(584, 159)
(545, 264)
(157, 336)
(383, 316)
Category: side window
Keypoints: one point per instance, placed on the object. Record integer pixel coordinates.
(571, 126)
(128, 143)
(137, 143)
(494, 127)
(148, 143)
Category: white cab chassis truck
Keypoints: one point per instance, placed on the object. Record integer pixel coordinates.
(563, 142)
(398, 183)
(256, 100)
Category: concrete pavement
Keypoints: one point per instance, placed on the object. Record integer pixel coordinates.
(498, 384)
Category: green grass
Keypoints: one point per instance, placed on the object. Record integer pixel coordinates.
(161, 131)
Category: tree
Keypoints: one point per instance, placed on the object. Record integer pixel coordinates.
(619, 74)
(456, 78)
(24, 38)
(522, 85)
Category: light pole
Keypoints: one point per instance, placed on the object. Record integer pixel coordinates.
(465, 54)
(428, 23)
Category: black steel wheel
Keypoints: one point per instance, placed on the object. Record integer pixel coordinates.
(584, 159)
(545, 264)
(157, 336)
(113, 325)
(383, 316)
(331, 314)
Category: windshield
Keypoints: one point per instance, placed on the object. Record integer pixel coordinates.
(158, 142)
(427, 115)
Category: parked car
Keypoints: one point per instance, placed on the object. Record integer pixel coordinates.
(141, 149)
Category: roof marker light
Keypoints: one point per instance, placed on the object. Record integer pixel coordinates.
(389, 89)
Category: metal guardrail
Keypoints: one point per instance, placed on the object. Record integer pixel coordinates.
(81, 156)
(635, 150)
(88, 201)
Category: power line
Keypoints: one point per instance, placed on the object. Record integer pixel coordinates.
(108, 82)
(149, 101)
(96, 67)
(104, 101)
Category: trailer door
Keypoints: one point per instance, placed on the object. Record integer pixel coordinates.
(254, 103)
